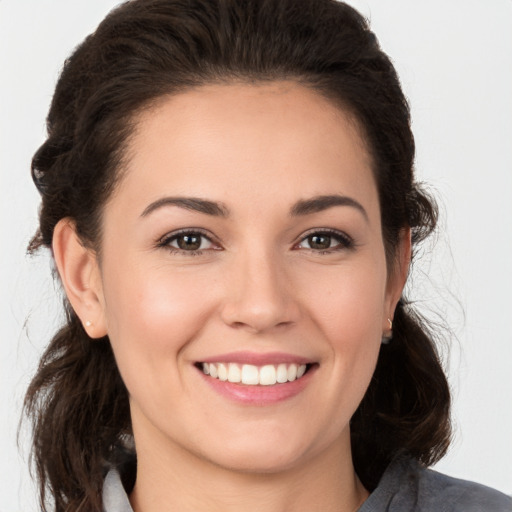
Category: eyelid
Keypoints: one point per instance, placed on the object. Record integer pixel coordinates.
(345, 240)
(164, 240)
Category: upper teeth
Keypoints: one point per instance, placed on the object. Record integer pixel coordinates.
(251, 375)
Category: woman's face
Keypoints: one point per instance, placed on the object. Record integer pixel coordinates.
(244, 240)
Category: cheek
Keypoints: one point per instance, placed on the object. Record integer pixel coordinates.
(348, 304)
(152, 316)
(155, 310)
(347, 308)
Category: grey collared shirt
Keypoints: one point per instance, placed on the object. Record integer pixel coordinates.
(406, 486)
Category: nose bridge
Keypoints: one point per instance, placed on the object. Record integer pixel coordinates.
(258, 293)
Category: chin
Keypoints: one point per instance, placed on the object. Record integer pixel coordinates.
(263, 456)
(257, 463)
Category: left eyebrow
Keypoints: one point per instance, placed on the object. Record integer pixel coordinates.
(321, 203)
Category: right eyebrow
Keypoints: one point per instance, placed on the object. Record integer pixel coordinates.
(188, 203)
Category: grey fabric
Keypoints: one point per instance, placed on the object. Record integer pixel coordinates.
(406, 486)
(114, 495)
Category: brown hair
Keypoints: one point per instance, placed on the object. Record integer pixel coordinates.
(143, 50)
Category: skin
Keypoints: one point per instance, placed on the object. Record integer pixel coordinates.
(256, 285)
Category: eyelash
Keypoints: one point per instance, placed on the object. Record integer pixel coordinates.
(166, 240)
(345, 242)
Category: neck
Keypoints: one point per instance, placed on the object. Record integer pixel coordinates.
(178, 480)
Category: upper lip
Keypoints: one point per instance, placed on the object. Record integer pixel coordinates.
(257, 359)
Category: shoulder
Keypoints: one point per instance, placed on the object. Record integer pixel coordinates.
(453, 494)
(408, 486)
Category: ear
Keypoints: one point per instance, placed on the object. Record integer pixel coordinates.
(398, 275)
(80, 275)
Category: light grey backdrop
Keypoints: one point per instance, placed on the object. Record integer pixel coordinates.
(455, 61)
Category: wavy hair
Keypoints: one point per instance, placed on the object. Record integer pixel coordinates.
(143, 50)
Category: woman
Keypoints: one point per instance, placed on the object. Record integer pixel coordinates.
(227, 189)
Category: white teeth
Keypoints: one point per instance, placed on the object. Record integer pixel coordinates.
(223, 372)
(251, 375)
(292, 372)
(234, 373)
(268, 375)
(282, 373)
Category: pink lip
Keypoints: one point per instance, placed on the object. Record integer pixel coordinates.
(257, 359)
(259, 395)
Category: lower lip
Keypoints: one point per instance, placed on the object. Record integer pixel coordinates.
(259, 395)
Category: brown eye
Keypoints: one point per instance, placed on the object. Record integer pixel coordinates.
(189, 242)
(326, 241)
(319, 241)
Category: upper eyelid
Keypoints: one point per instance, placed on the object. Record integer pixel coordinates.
(345, 241)
(216, 240)
(329, 231)
(184, 231)
(166, 242)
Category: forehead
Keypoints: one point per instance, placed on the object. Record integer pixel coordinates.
(230, 141)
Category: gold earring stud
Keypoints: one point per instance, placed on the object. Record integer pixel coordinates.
(386, 338)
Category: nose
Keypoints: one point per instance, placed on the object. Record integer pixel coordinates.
(259, 294)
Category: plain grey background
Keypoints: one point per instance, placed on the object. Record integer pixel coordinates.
(455, 61)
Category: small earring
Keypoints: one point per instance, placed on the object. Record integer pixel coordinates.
(386, 338)
(88, 323)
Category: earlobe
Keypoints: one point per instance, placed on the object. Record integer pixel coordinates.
(80, 275)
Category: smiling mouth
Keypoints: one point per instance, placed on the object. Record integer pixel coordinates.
(252, 375)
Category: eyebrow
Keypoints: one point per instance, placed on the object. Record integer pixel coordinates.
(189, 203)
(300, 208)
(321, 203)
